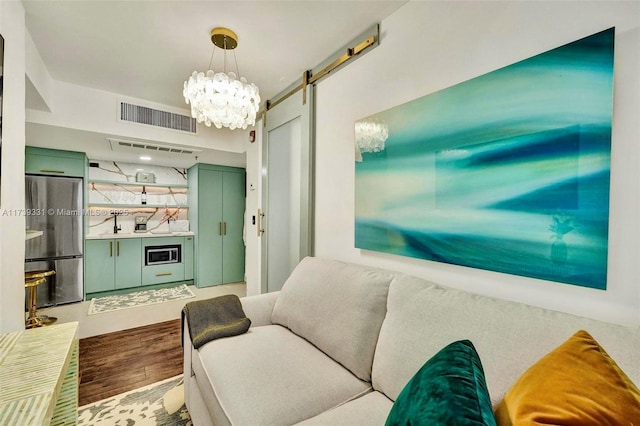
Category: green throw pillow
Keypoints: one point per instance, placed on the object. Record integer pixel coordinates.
(449, 389)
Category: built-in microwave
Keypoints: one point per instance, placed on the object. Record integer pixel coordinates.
(160, 255)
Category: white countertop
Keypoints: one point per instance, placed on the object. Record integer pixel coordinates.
(138, 235)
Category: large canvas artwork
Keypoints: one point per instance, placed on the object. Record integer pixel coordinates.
(507, 172)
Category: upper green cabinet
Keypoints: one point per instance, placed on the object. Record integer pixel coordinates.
(216, 215)
(54, 162)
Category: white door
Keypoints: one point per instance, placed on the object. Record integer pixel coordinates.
(287, 189)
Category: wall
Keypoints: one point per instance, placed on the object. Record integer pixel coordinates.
(85, 108)
(12, 226)
(428, 46)
(253, 259)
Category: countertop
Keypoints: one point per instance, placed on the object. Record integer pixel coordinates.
(138, 235)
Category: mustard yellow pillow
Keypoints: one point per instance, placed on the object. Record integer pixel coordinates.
(576, 384)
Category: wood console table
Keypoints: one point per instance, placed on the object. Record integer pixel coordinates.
(39, 376)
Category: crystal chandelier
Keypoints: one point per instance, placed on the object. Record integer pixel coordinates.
(371, 135)
(220, 98)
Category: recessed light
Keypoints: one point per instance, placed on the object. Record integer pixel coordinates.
(145, 158)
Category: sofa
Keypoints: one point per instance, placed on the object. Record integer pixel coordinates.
(340, 341)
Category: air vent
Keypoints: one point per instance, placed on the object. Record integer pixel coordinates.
(155, 117)
(124, 145)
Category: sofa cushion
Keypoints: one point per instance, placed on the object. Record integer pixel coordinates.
(338, 307)
(370, 409)
(449, 389)
(271, 376)
(509, 336)
(575, 384)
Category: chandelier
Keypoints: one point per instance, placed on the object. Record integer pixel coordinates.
(371, 136)
(220, 98)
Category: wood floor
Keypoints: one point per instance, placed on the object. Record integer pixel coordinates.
(118, 362)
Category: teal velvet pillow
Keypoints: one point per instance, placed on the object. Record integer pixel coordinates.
(449, 389)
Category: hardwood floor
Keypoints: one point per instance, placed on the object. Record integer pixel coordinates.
(117, 362)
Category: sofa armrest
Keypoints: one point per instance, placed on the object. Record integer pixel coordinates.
(258, 308)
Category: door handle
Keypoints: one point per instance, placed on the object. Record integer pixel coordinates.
(219, 228)
(60, 172)
(110, 248)
(118, 248)
(260, 217)
(225, 228)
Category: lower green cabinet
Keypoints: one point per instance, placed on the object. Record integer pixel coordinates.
(128, 263)
(112, 264)
(187, 257)
(99, 266)
(158, 274)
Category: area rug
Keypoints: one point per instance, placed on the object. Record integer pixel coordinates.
(159, 404)
(116, 302)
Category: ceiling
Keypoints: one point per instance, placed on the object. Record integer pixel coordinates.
(147, 49)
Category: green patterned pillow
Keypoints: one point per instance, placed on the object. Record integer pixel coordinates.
(449, 389)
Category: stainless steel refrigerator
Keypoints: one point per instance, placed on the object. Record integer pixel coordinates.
(54, 205)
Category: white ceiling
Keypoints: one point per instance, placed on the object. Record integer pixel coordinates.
(146, 49)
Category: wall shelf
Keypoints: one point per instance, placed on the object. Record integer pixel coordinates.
(135, 186)
(135, 206)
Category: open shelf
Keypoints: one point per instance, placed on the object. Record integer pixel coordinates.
(151, 188)
(135, 206)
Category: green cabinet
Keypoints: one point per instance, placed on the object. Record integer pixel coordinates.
(164, 273)
(118, 263)
(54, 162)
(112, 264)
(99, 266)
(216, 215)
(187, 257)
(128, 263)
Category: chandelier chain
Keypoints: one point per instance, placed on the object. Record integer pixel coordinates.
(211, 60)
(236, 60)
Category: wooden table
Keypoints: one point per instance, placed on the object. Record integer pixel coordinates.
(39, 376)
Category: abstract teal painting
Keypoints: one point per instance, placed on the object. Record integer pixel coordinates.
(506, 172)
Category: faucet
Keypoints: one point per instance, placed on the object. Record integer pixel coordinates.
(116, 228)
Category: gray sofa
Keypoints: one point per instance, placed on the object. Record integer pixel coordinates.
(338, 343)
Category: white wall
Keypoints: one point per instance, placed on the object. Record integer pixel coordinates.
(84, 108)
(12, 225)
(253, 259)
(428, 46)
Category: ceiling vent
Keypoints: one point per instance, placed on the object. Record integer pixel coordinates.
(155, 117)
(140, 147)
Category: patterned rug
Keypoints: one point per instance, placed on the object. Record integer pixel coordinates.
(116, 302)
(159, 404)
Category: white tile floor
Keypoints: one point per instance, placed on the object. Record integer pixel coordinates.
(92, 325)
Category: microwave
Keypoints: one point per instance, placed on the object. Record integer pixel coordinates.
(161, 255)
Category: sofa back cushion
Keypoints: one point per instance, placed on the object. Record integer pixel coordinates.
(338, 307)
(509, 336)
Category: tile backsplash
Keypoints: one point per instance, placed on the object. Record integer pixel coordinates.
(112, 188)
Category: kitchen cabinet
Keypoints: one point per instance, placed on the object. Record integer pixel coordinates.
(216, 214)
(119, 263)
(163, 273)
(112, 264)
(54, 162)
(187, 257)
(128, 263)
